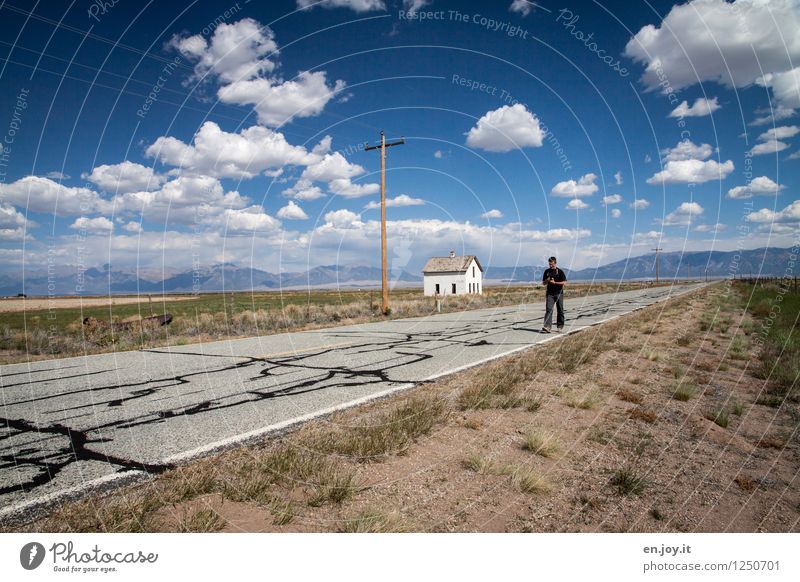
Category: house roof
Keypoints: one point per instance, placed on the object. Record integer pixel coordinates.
(450, 264)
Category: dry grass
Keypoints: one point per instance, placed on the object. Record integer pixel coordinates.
(201, 521)
(529, 480)
(542, 443)
(643, 414)
(375, 521)
(629, 396)
(684, 392)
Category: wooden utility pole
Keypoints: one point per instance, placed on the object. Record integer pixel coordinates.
(384, 275)
(658, 250)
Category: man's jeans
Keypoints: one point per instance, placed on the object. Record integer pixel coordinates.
(558, 300)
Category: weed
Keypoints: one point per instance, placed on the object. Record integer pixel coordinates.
(656, 514)
(528, 480)
(719, 417)
(629, 396)
(201, 521)
(282, 511)
(773, 441)
(643, 414)
(684, 392)
(628, 482)
(373, 521)
(738, 408)
(542, 443)
(585, 401)
(745, 483)
(484, 465)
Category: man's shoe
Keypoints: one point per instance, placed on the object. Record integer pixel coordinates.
(545, 330)
(560, 328)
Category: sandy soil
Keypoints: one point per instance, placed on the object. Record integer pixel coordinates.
(36, 303)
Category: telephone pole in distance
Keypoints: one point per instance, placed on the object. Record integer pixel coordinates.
(384, 276)
(658, 250)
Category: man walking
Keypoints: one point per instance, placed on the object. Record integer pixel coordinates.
(555, 280)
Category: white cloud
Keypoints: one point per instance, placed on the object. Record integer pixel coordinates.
(772, 146)
(39, 194)
(640, 204)
(124, 177)
(785, 86)
(221, 154)
(683, 214)
(414, 5)
(687, 150)
(691, 172)
(438, 154)
(522, 6)
(331, 167)
(277, 102)
(99, 225)
(783, 132)
(397, 201)
(356, 5)
(343, 219)
(57, 176)
(770, 116)
(303, 190)
(612, 199)
(292, 212)
(344, 187)
(733, 43)
(646, 237)
(246, 221)
(715, 228)
(761, 185)
(13, 224)
(585, 186)
(506, 129)
(494, 213)
(790, 214)
(237, 51)
(576, 204)
(700, 108)
(647, 159)
(616, 213)
(133, 226)
(794, 156)
(618, 178)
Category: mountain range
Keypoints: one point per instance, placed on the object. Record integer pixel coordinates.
(774, 262)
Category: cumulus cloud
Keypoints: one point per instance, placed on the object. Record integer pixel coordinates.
(303, 190)
(521, 6)
(276, 102)
(683, 214)
(506, 129)
(616, 213)
(584, 186)
(43, 195)
(343, 219)
(292, 212)
(346, 188)
(761, 185)
(785, 86)
(772, 146)
(794, 156)
(612, 199)
(685, 165)
(133, 226)
(57, 176)
(640, 204)
(789, 215)
(221, 154)
(576, 204)
(236, 51)
(783, 132)
(772, 115)
(700, 108)
(438, 154)
(494, 213)
(715, 228)
(618, 178)
(98, 225)
(356, 5)
(733, 43)
(397, 201)
(124, 177)
(13, 224)
(414, 5)
(245, 221)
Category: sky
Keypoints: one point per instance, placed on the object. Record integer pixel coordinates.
(164, 137)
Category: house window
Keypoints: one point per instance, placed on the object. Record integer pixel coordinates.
(473, 272)
(437, 288)
(454, 288)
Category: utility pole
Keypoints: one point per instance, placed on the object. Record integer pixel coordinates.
(384, 276)
(658, 250)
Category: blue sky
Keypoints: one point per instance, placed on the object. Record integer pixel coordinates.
(170, 137)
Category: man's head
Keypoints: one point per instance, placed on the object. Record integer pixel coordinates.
(552, 261)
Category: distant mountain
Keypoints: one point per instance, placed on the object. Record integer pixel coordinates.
(229, 277)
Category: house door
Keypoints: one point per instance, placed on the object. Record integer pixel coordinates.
(437, 288)
(454, 288)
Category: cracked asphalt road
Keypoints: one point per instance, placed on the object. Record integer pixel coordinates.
(70, 425)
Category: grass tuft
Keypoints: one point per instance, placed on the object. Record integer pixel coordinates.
(627, 482)
(684, 392)
(542, 443)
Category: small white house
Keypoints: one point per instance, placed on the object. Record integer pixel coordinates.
(453, 275)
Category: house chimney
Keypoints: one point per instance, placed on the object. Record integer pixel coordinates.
(452, 254)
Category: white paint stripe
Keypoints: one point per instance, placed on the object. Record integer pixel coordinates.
(104, 482)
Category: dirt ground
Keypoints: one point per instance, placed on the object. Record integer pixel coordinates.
(646, 424)
(36, 303)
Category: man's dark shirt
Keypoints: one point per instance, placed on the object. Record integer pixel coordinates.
(557, 275)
